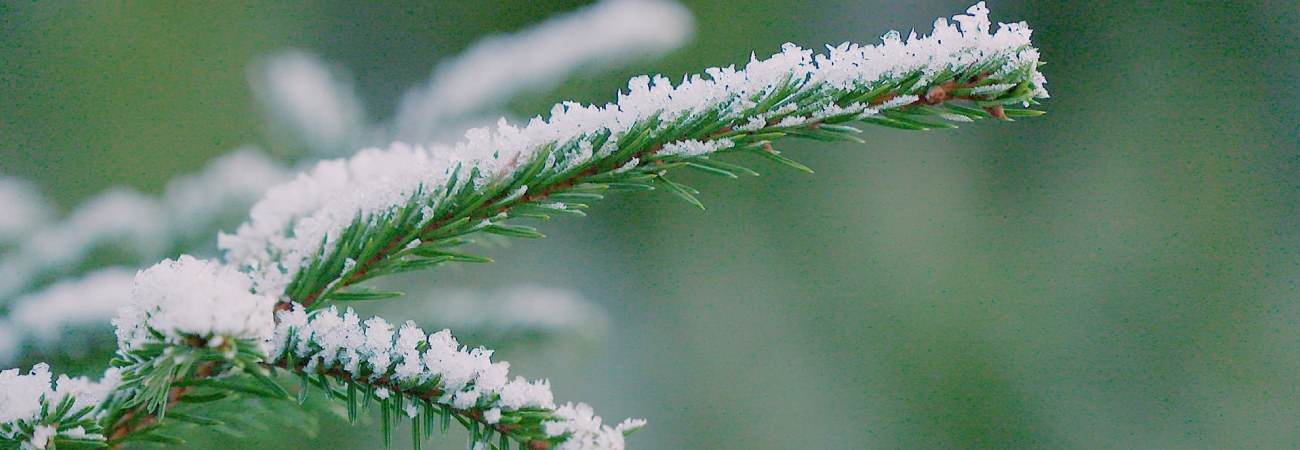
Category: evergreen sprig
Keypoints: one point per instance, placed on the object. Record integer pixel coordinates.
(69, 413)
(203, 331)
(430, 380)
(562, 177)
(416, 402)
(59, 424)
(160, 374)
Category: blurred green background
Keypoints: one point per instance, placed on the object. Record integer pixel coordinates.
(1118, 273)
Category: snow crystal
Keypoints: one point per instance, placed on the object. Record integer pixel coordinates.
(21, 396)
(379, 339)
(467, 376)
(408, 338)
(629, 165)
(521, 393)
(586, 430)
(629, 425)
(691, 148)
(42, 434)
(753, 124)
(492, 415)
(194, 297)
(898, 101)
(791, 121)
(85, 392)
(991, 89)
(466, 399)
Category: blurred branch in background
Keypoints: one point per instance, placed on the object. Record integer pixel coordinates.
(471, 89)
(138, 228)
(305, 98)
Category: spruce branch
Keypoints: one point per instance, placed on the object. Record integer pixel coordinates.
(204, 330)
(405, 219)
(33, 414)
(429, 379)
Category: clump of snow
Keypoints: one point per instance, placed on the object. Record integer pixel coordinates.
(467, 376)
(964, 43)
(585, 429)
(191, 297)
(87, 393)
(287, 226)
(20, 395)
(22, 398)
(371, 350)
(42, 434)
(691, 148)
(520, 393)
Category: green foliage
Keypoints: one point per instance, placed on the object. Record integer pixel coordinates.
(560, 179)
(158, 375)
(64, 418)
(421, 401)
(557, 178)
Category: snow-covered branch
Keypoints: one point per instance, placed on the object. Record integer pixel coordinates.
(315, 236)
(198, 330)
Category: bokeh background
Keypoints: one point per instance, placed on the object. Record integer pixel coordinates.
(1118, 273)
